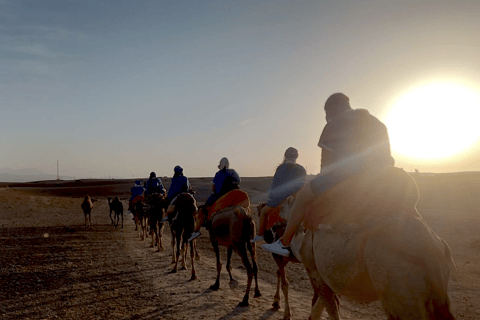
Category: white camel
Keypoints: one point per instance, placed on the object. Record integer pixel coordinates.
(367, 242)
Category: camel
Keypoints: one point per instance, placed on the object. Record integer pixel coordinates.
(271, 235)
(139, 215)
(233, 227)
(155, 213)
(116, 207)
(368, 242)
(182, 223)
(87, 206)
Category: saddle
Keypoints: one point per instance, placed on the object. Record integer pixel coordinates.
(370, 195)
(232, 198)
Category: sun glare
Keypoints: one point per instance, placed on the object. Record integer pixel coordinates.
(434, 121)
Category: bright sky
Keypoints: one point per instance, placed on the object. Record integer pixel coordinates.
(121, 88)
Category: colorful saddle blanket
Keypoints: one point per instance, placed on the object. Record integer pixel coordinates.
(235, 197)
(137, 199)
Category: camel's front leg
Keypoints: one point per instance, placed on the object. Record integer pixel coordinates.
(276, 297)
(283, 277)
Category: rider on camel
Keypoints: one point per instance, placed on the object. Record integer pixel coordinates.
(179, 184)
(154, 185)
(353, 141)
(225, 180)
(288, 179)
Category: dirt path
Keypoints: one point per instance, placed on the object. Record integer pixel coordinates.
(51, 268)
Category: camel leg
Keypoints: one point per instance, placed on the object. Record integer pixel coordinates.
(192, 258)
(326, 298)
(197, 256)
(216, 285)
(282, 279)
(276, 297)
(228, 266)
(173, 244)
(252, 249)
(184, 243)
(177, 253)
(160, 235)
(122, 219)
(242, 251)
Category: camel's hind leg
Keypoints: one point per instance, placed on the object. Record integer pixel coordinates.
(192, 258)
(242, 251)
(283, 282)
(177, 254)
(252, 249)
(216, 285)
(228, 266)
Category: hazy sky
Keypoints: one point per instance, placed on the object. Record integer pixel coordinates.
(120, 88)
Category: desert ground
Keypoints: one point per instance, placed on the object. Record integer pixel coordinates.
(52, 268)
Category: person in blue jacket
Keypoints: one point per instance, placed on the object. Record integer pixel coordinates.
(136, 191)
(288, 179)
(179, 184)
(225, 180)
(154, 185)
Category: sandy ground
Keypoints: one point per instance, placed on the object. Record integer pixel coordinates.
(51, 268)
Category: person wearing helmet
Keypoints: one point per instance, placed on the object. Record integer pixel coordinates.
(353, 141)
(154, 185)
(225, 180)
(288, 179)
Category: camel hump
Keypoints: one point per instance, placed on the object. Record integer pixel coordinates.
(366, 196)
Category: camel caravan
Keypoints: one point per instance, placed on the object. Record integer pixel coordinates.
(354, 227)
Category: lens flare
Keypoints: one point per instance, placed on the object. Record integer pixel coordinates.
(434, 121)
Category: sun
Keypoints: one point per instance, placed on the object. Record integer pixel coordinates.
(434, 121)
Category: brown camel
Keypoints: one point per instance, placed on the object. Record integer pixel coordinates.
(87, 206)
(271, 235)
(116, 207)
(368, 242)
(182, 225)
(140, 217)
(233, 227)
(155, 212)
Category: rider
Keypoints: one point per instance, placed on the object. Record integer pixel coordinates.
(225, 180)
(353, 141)
(178, 185)
(154, 185)
(137, 193)
(288, 179)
